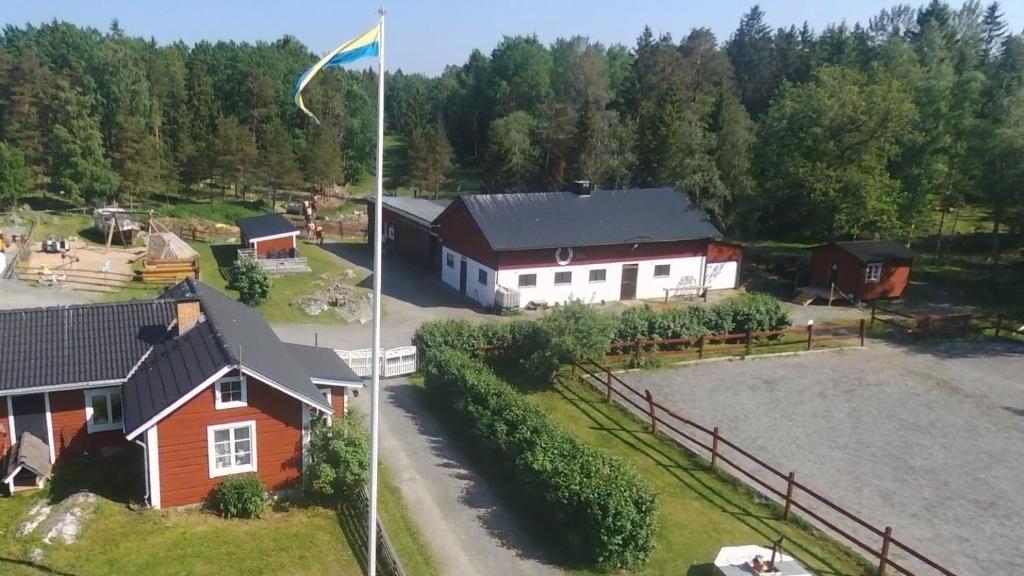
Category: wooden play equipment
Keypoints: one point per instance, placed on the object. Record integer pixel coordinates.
(169, 259)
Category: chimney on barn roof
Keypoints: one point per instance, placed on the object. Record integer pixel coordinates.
(582, 187)
(188, 313)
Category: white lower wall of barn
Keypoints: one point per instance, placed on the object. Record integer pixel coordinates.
(482, 293)
(682, 272)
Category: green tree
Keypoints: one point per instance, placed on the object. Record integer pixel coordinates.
(322, 160)
(15, 178)
(137, 159)
(521, 75)
(277, 159)
(823, 156)
(511, 153)
(339, 455)
(1002, 182)
(236, 153)
(430, 158)
(79, 167)
(24, 86)
(251, 281)
(750, 50)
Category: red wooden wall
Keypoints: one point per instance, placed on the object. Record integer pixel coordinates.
(458, 231)
(724, 252)
(265, 247)
(600, 254)
(5, 434)
(184, 457)
(892, 284)
(70, 434)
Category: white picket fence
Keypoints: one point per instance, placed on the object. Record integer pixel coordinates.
(394, 362)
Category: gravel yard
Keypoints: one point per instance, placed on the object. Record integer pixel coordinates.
(929, 439)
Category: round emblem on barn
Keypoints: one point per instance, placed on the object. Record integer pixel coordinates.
(563, 256)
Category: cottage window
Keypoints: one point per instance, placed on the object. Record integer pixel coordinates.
(103, 410)
(450, 260)
(232, 448)
(481, 277)
(231, 392)
(597, 275)
(874, 272)
(562, 278)
(527, 280)
(662, 270)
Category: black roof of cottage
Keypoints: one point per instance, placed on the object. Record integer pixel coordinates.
(264, 225)
(876, 250)
(323, 364)
(524, 221)
(87, 343)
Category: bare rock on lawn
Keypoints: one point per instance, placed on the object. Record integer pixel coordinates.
(65, 521)
(36, 514)
(349, 303)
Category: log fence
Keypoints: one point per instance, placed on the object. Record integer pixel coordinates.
(711, 445)
(949, 325)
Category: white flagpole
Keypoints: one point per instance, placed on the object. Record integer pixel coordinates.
(377, 269)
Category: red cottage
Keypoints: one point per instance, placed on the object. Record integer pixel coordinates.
(863, 270)
(195, 382)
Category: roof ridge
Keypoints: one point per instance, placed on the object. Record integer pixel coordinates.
(86, 306)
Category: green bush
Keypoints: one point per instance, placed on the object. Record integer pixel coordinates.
(754, 312)
(596, 505)
(339, 459)
(242, 497)
(251, 281)
(578, 332)
(519, 346)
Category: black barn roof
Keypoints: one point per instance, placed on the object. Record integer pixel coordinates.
(264, 225)
(525, 221)
(875, 250)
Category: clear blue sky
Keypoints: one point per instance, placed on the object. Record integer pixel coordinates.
(424, 35)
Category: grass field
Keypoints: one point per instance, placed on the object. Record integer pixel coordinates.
(698, 511)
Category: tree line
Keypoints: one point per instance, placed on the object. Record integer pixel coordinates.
(95, 116)
(851, 132)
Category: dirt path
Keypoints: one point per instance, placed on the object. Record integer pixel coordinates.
(470, 531)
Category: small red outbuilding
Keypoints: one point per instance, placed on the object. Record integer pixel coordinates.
(863, 269)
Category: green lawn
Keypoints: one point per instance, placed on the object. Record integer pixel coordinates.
(413, 550)
(698, 511)
(461, 179)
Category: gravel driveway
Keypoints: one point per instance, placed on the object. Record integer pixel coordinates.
(929, 440)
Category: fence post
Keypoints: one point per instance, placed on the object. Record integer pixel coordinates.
(872, 317)
(999, 324)
(608, 385)
(927, 322)
(749, 342)
(639, 352)
(861, 332)
(714, 448)
(810, 333)
(883, 558)
(789, 495)
(700, 349)
(650, 408)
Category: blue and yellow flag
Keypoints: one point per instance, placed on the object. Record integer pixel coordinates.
(361, 47)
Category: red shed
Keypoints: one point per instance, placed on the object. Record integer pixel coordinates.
(864, 269)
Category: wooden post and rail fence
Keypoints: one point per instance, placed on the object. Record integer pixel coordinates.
(708, 345)
(955, 325)
(710, 444)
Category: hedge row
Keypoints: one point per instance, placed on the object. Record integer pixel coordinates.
(520, 346)
(596, 505)
(754, 312)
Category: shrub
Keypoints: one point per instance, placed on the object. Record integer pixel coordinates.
(251, 281)
(339, 455)
(242, 497)
(596, 504)
(578, 332)
(522, 346)
(754, 312)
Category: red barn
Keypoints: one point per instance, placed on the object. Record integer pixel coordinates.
(408, 228)
(863, 269)
(508, 250)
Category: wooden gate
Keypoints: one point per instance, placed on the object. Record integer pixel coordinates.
(394, 362)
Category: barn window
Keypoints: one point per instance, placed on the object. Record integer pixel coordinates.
(231, 448)
(527, 280)
(231, 392)
(450, 260)
(103, 410)
(481, 277)
(874, 272)
(597, 275)
(662, 270)
(562, 278)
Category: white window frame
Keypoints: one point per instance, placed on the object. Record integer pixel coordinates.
(221, 405)
(666, 274)
(604, 275)
(234, 469)
(450, 260)
(519, 281)
(557, 272)
(93, 428)
(482, 272)
(873, 272)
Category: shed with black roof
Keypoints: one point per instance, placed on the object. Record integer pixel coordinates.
(862, 269)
